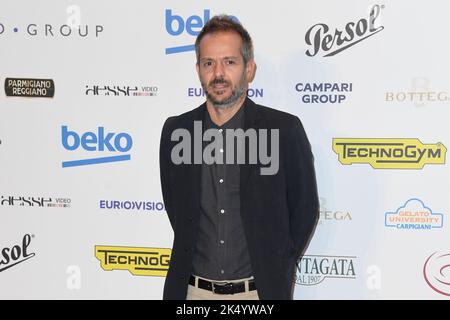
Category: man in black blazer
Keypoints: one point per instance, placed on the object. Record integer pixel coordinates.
(239, 226)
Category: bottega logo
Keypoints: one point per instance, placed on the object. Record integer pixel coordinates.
(331, 43)
(389, 153)
(139, 261)
(12, 256)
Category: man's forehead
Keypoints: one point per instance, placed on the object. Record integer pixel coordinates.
(226, 37)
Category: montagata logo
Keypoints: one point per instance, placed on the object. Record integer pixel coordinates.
(321, 38)
(176, 26)
(414, 215)
(99, 141)
(12, 256)
(314, 269)
(138, 261)
(389, 153)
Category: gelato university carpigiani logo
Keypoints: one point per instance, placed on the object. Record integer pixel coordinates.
(389, 153)
(139, 261)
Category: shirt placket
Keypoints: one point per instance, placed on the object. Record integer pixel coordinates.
(222, 209)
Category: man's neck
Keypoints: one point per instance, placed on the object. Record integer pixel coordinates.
(221, 116)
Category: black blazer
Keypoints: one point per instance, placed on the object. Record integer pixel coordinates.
(279, 212)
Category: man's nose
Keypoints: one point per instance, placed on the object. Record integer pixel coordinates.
(218, 70)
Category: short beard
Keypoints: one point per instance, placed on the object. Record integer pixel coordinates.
(236, 94)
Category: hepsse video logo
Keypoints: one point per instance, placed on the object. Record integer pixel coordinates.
(176, 26)
(99, 141)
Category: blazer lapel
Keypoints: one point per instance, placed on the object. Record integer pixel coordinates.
(252, 121)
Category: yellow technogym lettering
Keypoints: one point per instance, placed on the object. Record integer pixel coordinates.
(139, 261)
(389, 153)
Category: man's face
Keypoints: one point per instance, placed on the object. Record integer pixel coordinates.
(221, 69)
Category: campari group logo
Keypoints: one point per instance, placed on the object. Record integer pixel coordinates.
(72, 28)
(389, 153)
(414, 215)
(324, 92)
(190, 26)
(330, 41)
(436, 272)
(314, 269)
(138, 261)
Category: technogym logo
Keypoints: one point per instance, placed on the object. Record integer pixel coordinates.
(232, 151)
(98, 142)
(389, 153)
(138, 261)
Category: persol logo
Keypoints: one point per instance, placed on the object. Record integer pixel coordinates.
(12, 256)
(331, 43)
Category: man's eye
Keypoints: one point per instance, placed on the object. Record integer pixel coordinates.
(231, 62)
(207, 64)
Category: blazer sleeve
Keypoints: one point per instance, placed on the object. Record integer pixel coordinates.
(302, 197)
(164, 170)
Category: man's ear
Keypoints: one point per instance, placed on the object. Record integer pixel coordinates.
(250, 70)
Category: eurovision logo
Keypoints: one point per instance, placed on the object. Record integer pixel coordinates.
(138, 261)
(331, 41)
(31, 88)
(436, 272)
(132, 205)
(414, 215)
(12, 256)
(389, 153)
(251, 92)
(314, 269)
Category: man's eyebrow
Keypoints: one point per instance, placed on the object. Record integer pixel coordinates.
(224, 58)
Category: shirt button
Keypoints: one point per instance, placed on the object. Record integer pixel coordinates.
(222, 242)
(221, 180)
(220, 130)
(222, 211)
(221, 150)
(222, 272)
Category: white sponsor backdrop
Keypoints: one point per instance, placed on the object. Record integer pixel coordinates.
(353, 255)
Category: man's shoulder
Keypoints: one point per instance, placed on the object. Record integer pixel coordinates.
(186, 117)
(276, 116)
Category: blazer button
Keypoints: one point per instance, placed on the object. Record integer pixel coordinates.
(191, 219)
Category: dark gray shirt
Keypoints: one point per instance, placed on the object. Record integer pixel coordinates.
(221, 251)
